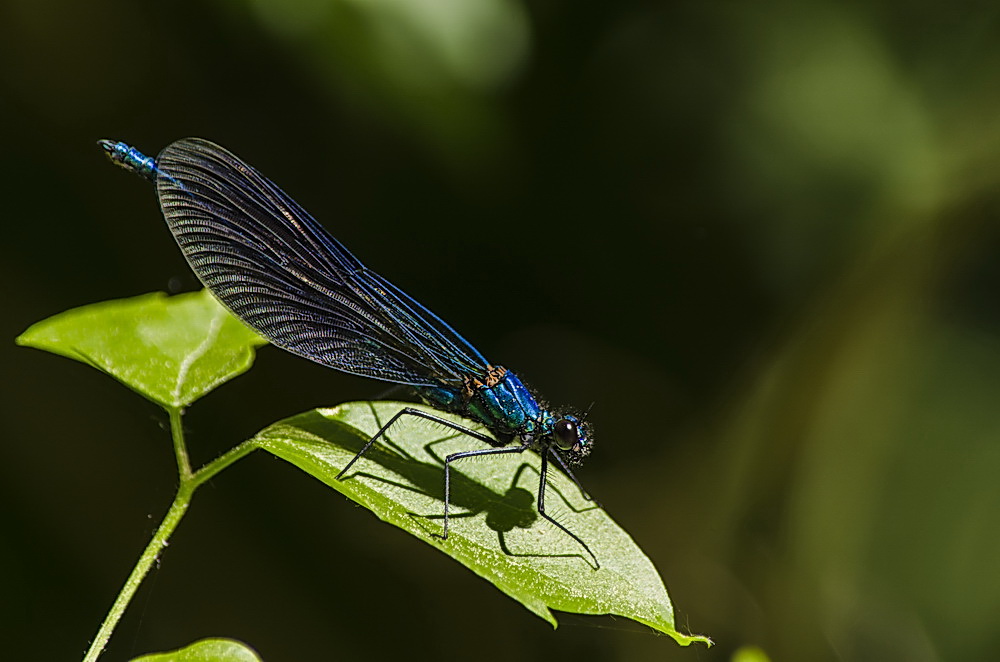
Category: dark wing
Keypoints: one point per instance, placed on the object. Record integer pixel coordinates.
(283, 274)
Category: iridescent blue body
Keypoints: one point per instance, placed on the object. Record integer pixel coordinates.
(270, 263)
(504, 405)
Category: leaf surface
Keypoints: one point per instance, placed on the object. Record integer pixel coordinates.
(170, 349)
(494, 530)
(206, 650)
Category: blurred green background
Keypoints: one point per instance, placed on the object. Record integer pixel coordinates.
(762, 237)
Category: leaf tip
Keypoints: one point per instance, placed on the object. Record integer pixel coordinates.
(27, 337)
(688, 639)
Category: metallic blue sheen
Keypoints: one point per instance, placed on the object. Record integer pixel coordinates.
(526, 401)
(503, 406)
(130, 158)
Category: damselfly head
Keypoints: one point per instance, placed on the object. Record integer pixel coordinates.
(571, 436)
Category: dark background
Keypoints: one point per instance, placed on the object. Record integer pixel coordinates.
(763, 239)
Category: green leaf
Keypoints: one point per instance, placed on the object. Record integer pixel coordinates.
(749, 654)
(172, 350)
(495, 530)
(206, 650)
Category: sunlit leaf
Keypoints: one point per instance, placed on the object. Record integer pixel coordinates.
(170, 349)
(206, 650)
(495, 530)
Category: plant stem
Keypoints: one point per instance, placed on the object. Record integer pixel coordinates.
(218, 464)
(188, 482)
(141, 569)
(180, 448)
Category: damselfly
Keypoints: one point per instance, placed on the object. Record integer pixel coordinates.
(273, 266)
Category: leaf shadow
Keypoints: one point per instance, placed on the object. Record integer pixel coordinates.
(506, 511)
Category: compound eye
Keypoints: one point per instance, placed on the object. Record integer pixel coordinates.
(566, 434)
